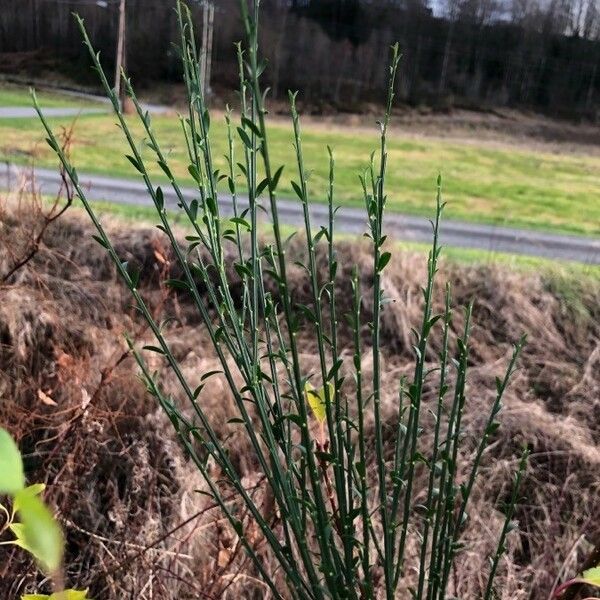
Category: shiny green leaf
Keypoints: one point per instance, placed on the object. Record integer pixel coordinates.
(40, 533)
(316, 400)
(592, 576)
(35, 490)
(66, 595)
(12, 478)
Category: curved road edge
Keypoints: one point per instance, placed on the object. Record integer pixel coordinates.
(351, 220)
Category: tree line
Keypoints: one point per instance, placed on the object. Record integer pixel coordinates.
(534, 54)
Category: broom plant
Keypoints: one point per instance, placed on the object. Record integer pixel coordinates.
(343, 492)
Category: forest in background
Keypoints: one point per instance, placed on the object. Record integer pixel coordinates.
(533, 54)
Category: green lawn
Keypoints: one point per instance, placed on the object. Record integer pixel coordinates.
(17, 96)
(482, 182)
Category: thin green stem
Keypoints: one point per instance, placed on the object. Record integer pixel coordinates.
(507, 526)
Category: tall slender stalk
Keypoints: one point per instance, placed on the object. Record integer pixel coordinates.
(380, 260)
(507, 526)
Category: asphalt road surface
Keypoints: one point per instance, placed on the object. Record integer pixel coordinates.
(350, 220)
(27, 112)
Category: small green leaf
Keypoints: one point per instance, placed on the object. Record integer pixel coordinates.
(66, 595)
(242, 270)
(592, 576)
(154, 349)
(297, 190)
(52, 144)
(296, 419)
(17, 530)
(160, 198)
(205, 376)
(325, 457)
(195, 173)
(275, 178)
(211, 205)
(260, 188)
(248, 123)
(177, 284)
(206, 121)
(41, 533)
(336, 367)
(165, 168)
(100, 241)
(35, 489)
(231, 185)
(316, 400)
(241, 222)
(384, 259)
(245, 138)
(12, 478)
(134, 162)
(194, 209)
(499, 385)
(74, 595)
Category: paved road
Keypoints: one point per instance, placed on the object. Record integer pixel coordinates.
(349, 220)
(25, 112)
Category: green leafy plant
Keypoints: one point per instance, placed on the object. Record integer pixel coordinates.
(342, 480)
(36, 530)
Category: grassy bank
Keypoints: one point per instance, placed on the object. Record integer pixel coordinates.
(114, 471)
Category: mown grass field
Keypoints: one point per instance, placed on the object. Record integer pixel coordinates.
(483, 182)
(16, 96)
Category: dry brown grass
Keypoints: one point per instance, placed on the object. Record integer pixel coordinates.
(70, 394)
